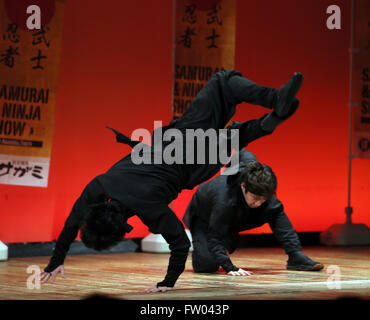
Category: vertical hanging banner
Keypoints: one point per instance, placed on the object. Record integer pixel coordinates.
(204, 44)
(30, 43)
(361, 79)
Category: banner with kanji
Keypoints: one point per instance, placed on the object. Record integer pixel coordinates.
(204, 44)
(361, 79)
(29, 69)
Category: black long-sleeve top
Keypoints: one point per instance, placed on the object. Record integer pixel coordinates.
(221, 206)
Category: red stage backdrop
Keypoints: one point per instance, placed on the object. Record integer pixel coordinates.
(116, 69)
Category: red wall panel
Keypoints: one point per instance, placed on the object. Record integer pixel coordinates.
(116, 69)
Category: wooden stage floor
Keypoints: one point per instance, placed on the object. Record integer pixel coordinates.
(125, 275)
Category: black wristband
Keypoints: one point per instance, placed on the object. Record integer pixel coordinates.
(230, 268)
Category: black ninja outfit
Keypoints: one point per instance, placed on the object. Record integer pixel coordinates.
(218, 212)
(146, 190)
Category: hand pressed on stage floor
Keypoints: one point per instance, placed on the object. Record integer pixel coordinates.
(157, 289)
(45, 276)
(240, 272)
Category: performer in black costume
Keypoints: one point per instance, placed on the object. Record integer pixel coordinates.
(226, 205)
(145, 190)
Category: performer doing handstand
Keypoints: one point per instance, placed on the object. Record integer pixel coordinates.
(145, 190)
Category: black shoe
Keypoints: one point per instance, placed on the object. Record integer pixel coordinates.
(300, 262)
(286, 95)
(272, 120)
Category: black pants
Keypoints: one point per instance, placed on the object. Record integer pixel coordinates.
(215, 104)
(202, 259)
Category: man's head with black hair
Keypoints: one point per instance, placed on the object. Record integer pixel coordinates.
(104, 226)
(258, 183)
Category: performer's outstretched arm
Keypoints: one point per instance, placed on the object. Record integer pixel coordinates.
(283, 229)
(218, 250)
(65, 239)
(218, 231)
(174, 233)
(92, 192)
(179, 246)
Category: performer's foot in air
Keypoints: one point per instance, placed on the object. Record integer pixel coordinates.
(286, 105)
(282, 101)
(286, 95)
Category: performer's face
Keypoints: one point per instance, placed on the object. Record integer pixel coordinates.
(252, 200)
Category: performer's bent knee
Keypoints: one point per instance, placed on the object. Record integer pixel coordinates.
(204, 266)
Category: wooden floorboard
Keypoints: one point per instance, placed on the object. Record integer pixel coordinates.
(125, 275)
